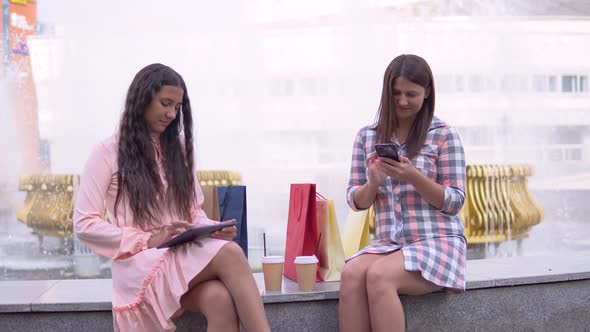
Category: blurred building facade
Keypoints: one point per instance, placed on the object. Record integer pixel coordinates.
(280, 88)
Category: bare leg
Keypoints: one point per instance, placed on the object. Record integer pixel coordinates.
(353, 307)
(387, 278)
(231, 268)
(214, 301)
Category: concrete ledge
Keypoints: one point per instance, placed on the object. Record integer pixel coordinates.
(521, 293)
(562, 306)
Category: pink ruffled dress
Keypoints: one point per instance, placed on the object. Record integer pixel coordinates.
(147, 283)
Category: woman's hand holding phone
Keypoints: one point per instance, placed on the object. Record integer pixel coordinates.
(392, 164)
(387, 150)
(402, 170)
(376, 176)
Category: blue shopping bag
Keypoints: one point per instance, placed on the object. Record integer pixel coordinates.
(232, 205)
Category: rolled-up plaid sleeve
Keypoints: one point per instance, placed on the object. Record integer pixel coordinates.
(451, 172)
(358, 174)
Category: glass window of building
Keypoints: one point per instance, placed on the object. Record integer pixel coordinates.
(569, 83)
(583, 83)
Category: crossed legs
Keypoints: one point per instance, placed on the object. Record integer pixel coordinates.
(226, 293)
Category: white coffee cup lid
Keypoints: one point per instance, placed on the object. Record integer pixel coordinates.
(273, 259)
(306, 259)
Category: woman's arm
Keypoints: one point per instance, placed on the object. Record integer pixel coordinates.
(364, 196)
(451, 172)
(101, 236)
(362, 189)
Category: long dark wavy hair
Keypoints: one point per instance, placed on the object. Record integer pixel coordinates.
(138, 176)
(416, 70)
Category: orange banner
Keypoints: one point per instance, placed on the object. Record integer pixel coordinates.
(22, 22)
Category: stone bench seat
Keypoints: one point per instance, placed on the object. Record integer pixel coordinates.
(549, 293)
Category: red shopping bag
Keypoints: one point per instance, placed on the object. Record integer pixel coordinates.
(302, 228)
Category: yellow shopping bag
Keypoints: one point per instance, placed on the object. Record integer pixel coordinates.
(356, 230)
(331, 251)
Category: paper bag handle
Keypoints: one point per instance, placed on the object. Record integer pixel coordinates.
(298, 209)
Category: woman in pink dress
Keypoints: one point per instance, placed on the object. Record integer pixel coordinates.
(420, 246)
(144, 175)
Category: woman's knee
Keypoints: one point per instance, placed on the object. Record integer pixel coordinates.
(231, 253)
(215, 298)
(206, 297)
(380, 281)
(233, 249)
(353, 276)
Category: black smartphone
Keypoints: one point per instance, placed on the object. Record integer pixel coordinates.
(387, 150)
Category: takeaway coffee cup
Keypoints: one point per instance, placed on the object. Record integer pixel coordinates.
(306, 267)
(272, 270)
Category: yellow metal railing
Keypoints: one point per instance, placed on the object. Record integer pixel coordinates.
(49, 203)
(499, 205)
(219, 178)
(48, 206)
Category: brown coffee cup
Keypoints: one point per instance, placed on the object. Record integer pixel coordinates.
(272, 270)
(306, 268)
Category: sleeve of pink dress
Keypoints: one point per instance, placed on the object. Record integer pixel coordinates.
(101, 236)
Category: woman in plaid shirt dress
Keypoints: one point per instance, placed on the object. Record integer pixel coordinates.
(420, 246)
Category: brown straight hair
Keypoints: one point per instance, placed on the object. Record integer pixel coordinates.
(416, 70)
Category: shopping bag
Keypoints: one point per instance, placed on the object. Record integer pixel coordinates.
(302, 230)
(232, 205)
(331, 251)
(356, 233)
(211, 202)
